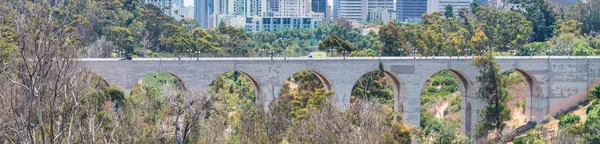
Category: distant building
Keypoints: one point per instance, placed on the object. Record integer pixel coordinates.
(297, 8)
(255, 24)
(203, 9)
(234, 12)
(165, 5)
(319, 6)
(297, 14)
(188, 12)
(410, 10)
(440, 5)
(179, 3)
(329, 14)
(365, 10)
(258, 15)
(273, 7)
(335, 9)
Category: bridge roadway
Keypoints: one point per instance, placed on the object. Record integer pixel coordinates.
(553, 84)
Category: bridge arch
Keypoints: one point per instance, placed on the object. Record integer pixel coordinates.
(178, 82)
(99, 78)
(325, 82)
(467, 95)
(533, 97)
(396, 84)
(258, 91)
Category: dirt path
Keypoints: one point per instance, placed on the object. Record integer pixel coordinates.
(440, 106)
(441, 109)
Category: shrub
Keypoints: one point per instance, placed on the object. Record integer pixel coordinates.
(527, 139)
(592, 123)
(117, 96)
(521, 104)
(449, 88)
(449, 81)
(594, 93)
(567, 120)
(511, 78)
(431, 89)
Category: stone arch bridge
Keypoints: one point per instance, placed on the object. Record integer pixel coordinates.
(553, 84)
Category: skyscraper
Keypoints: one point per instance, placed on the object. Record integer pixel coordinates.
(336, 9)
(409, 10)
(319, 6)
(202, 11)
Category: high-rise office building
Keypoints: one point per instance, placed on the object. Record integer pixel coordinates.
(410, 10)
(335, 9)
(202, 11)
(366, 10)
(319, 6)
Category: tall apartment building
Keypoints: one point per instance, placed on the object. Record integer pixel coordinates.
(297, 8)
(234, 12)
(410, 10)
(291, 14)
(366, 10)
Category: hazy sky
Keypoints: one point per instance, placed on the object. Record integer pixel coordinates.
(191, 2)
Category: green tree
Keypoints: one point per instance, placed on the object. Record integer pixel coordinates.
(587, 13)
(393, 40)
(334, 42)
(176, 39)
(122, 38)
(491, 91)
(449, 11)
(204, 42)
(543, 19)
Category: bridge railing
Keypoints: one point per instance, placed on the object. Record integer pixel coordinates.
(333, 58)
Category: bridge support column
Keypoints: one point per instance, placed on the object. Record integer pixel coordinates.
(412, 104)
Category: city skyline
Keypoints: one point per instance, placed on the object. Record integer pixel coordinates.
(191, 2)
